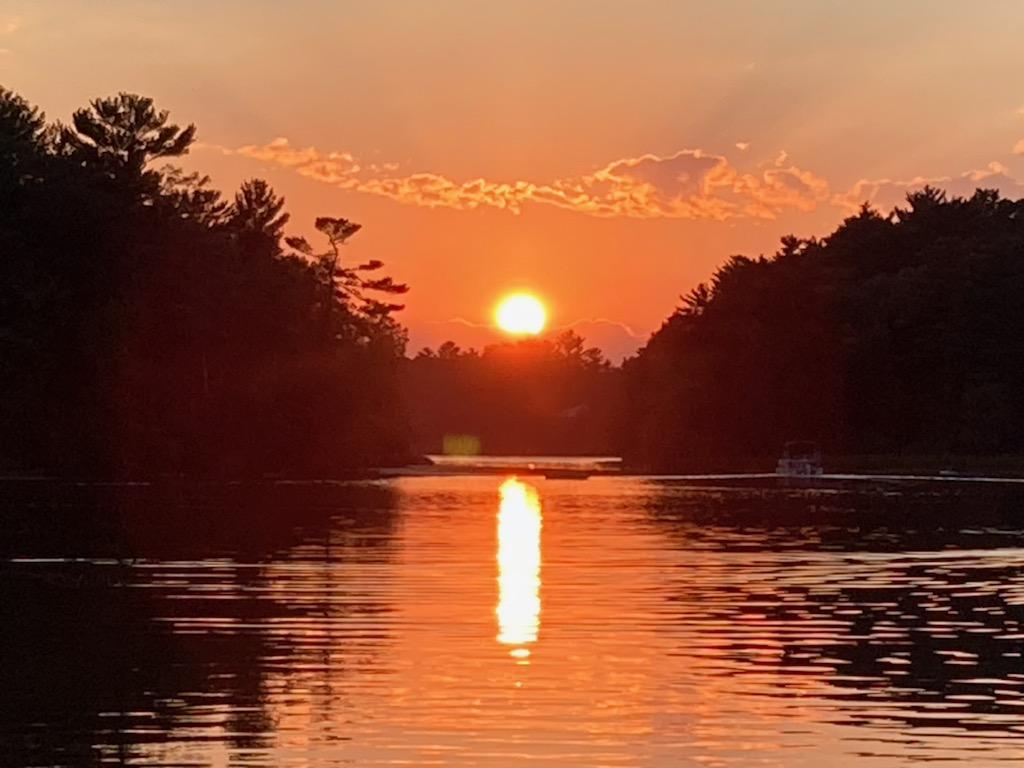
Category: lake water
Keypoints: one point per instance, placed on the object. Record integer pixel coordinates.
(481, 621)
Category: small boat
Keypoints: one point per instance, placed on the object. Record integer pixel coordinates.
(800, 458)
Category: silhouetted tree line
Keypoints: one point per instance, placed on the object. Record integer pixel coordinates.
(148, 325)
(895, 334)
(551, 396)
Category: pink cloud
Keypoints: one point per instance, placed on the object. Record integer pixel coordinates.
(688, 184)
(887, 193)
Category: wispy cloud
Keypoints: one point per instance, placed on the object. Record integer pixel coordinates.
(602, 322)
(1018, 148)
(8, 26)
(688, 184)
(460, 321)
(886, 193)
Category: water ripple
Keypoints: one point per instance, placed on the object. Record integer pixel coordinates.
(438, 621)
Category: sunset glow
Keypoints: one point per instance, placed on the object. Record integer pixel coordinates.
(521, 314)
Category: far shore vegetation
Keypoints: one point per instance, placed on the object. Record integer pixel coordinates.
(151, 325)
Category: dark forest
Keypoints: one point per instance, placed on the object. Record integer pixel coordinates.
(896, 334)
(150, 326)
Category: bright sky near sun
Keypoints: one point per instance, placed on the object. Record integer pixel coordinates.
(604, 155)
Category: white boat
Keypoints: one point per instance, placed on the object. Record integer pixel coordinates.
(800, 458)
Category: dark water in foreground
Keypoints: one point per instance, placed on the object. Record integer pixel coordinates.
(450, 621)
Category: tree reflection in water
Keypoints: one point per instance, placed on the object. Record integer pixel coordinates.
(909, 607)
(137, 620)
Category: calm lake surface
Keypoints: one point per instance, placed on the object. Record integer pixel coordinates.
(486, 621)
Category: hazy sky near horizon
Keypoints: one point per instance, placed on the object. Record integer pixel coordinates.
(605, 155)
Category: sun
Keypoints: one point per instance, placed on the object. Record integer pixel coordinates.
(521, 314)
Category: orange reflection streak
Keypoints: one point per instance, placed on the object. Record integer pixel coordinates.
(519, 524)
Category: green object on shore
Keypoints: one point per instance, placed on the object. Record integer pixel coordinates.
(460, 445)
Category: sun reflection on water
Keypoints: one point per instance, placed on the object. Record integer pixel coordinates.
(519, 524)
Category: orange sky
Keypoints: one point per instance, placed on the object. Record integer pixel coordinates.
(604, 155)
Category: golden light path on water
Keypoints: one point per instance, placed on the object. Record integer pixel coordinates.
(519, 528)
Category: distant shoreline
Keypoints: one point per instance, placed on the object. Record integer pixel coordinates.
(839, 469)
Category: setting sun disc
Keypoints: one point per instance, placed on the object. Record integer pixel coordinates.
(521, 314)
